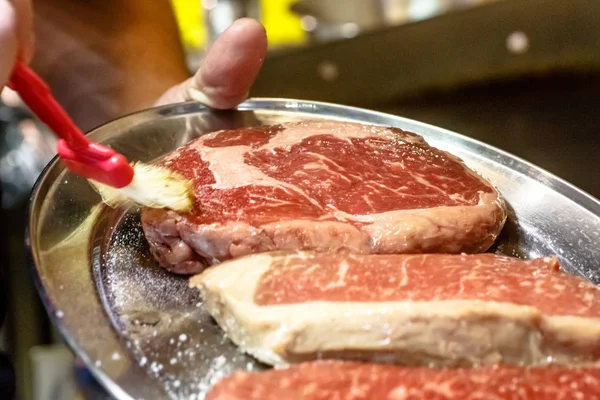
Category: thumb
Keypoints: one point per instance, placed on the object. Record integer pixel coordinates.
(228, 70)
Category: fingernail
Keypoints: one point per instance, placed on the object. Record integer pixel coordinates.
(196, 95)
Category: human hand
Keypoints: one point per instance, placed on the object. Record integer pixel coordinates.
(228, 69)
(16, 35)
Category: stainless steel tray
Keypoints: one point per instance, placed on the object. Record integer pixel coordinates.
(144, 334)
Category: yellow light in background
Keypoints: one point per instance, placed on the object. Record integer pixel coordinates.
(283, 27)
(190, 18)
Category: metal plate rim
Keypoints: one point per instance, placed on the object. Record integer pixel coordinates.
(576, 195)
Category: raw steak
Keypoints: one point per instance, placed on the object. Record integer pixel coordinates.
(438, 310)
(323, 186)
(324, 380)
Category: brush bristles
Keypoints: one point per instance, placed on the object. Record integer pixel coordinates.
(152, 186)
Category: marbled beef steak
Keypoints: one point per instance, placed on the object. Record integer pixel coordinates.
(354, 381)
(323, 186)
(435, 309)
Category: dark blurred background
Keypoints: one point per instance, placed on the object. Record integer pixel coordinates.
(522, 75)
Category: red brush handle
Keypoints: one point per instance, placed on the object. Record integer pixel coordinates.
(36, 94)
(91, 160)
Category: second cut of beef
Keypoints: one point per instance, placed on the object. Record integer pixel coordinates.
(419, 309)
(323, 186)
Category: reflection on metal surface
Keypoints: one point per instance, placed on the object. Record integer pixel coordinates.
(144, 333)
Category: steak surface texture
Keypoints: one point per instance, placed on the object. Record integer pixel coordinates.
(355, 381)
(322, 186)
(416, 310)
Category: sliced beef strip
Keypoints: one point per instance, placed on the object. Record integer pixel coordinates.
(435, 309)
(322, 186)
(325, 380)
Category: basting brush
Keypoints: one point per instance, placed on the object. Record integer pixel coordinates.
(109, 172)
